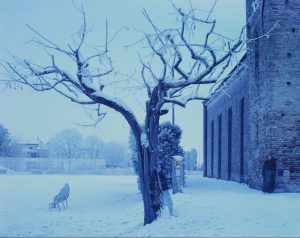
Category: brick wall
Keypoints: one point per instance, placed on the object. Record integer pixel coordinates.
(274, 86)
(224, 149)
(270, 86)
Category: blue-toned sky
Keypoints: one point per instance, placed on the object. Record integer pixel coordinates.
(28, 114)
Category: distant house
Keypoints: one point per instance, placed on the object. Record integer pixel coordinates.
(33, 149)
(256, 110)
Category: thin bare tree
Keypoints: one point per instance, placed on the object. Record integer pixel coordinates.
(181, 60)
(66, 144)
(95, 147)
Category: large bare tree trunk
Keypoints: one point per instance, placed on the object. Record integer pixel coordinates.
(149, 213)
(144, 164)
(147, 161)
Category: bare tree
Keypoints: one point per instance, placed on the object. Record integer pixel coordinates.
(66, 144)
(9, 145)
(186, 60)
(4, 141)
(95, 147)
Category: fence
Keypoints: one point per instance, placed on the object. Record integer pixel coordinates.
(53, 165)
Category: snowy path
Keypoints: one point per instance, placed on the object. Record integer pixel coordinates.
(105, 206)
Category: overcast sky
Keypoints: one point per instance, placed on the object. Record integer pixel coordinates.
(28, 114)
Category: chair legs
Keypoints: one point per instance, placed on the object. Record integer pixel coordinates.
(64, 204)
(54, 205)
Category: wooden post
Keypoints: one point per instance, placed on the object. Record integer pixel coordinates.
(177, 174)
(174, 180)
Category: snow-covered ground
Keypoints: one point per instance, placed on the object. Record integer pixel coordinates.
(106, 206)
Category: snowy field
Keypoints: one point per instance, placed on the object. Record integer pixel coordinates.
(110, 206)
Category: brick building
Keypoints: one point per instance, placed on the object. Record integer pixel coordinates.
(256, 111)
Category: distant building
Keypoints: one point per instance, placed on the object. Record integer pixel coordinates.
(33, 149)
(256, 110)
